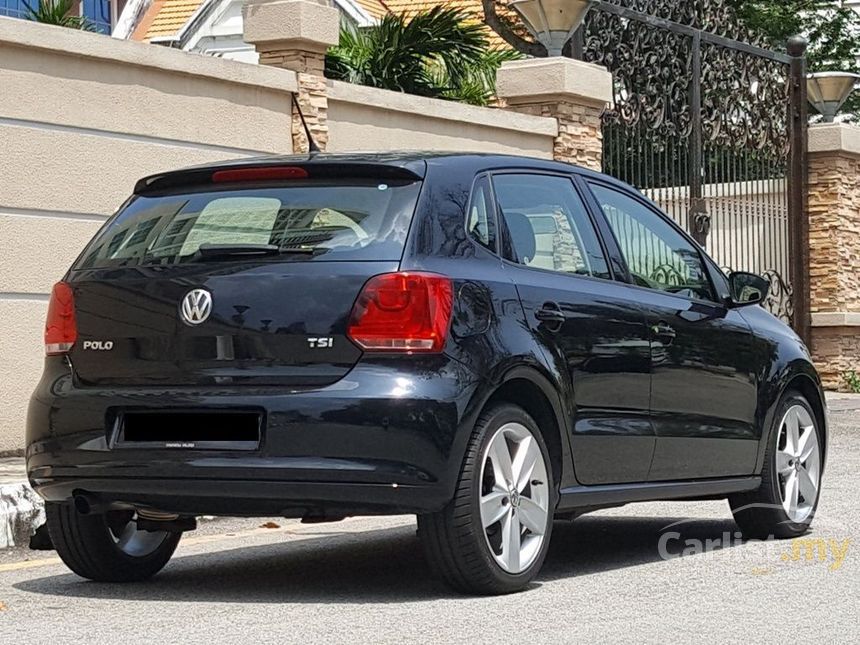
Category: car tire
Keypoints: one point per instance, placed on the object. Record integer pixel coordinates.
(107, 547)
(780, 508)
(463, 546)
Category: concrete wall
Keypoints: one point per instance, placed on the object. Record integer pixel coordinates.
(366, 118)
(82, 117)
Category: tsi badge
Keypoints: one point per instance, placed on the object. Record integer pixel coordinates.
(321, 343)
(99, 345)
(196, 307)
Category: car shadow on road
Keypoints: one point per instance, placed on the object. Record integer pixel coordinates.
(594, 544)
(379, 566)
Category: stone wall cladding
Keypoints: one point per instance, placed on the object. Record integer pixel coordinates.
(299, 61)
(580, 132)
(312, 97)
(836, 351)
(834, 261)
(834, 233)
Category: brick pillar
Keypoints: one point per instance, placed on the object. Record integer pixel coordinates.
(573, 92)
(834, 250)
(294, 35)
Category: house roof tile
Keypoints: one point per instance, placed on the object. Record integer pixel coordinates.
(376, 8)
(169, 17)
(475, 7)
(166, 18)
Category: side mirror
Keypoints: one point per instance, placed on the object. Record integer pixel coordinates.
(748, 288)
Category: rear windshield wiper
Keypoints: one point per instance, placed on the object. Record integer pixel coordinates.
(221, 250)
(206, 251)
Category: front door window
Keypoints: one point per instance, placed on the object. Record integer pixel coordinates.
(658, 256)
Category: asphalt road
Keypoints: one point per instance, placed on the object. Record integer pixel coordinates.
(365, 580)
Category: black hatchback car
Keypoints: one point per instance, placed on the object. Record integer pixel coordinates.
(488, 342)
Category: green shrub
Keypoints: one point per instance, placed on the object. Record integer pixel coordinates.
(853, 380)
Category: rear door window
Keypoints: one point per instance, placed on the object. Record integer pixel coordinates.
(344, 220)
(548, 225)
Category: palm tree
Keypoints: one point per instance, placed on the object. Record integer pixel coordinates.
(57, 12)
(477, 81)
(441, 53)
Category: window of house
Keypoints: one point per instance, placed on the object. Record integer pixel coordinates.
(98, 12)
(14, 8)
(658, 256)
(548, 224)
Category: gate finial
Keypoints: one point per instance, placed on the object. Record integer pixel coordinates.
(796, 46)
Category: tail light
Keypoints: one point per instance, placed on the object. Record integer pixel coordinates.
(403, 312)
(61, 331)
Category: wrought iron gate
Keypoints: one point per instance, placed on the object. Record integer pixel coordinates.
(712, 127)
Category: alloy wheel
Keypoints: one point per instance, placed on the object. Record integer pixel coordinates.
(798, 463)
(514, 498)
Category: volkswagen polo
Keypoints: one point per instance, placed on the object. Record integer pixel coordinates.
(487, 342)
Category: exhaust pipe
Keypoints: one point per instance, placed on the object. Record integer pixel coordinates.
(148, 519)
(156, 516)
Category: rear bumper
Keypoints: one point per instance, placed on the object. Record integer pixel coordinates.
(387, 438)
(249, 498)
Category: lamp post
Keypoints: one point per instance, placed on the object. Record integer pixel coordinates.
(552, 22)
(828, 91)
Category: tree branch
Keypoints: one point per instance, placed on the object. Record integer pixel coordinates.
(501, 27)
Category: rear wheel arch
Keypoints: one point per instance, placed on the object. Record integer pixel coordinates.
(534, 393)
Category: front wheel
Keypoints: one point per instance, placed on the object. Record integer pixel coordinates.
(108, 547)
(493, 536)
(785, 503)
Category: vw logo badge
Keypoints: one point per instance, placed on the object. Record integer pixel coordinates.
(196, 306)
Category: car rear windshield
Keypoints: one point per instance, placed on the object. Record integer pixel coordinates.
(331, 220)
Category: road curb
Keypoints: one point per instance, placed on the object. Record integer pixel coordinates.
(22, 511)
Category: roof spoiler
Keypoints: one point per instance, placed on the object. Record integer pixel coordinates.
(315, 168)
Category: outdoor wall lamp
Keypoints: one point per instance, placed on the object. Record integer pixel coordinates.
(552, 22)
(828, 91)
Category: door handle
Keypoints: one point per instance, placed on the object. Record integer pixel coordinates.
(551, 315)
(664, 332)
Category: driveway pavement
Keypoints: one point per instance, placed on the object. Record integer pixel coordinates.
(365, 580)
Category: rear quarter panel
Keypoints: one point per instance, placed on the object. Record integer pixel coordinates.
(489, 331)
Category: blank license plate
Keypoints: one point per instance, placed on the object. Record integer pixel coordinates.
(221, 430)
